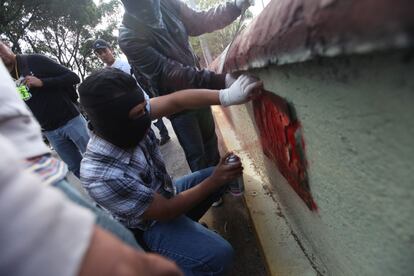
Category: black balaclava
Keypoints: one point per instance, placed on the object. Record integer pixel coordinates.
(107, 96)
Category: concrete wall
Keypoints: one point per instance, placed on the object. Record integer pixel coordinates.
(357, 116)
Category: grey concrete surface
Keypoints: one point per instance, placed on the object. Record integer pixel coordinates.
(357, 118)
(230, 220)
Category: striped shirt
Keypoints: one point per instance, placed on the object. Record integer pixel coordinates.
(47, 167)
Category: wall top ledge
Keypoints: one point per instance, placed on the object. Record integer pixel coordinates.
(291, 31)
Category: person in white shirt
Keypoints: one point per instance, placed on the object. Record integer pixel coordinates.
(105, 53)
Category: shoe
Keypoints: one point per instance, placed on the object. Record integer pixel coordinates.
(204, 224)
(218, 202)
(164, 140)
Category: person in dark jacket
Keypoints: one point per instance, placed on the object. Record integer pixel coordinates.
(154, 37)
(48, 89)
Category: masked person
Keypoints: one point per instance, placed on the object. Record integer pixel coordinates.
(106, 55)
(154, 37)
(47, 227)
(42, 233)
(18, 125)
(124, 172)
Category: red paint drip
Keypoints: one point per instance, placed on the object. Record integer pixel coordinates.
(282, 141)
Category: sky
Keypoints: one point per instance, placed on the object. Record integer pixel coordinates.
(258, 7)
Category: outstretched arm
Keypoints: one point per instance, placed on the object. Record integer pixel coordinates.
(184, 99)
(241, 91)
(200, 22)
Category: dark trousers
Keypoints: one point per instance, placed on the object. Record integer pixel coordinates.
(161, 128)
(196, 133)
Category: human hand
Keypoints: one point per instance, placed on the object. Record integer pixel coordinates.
(242, 90)
(230, 79)
(244, 4)
(32, 81)
(225, 173)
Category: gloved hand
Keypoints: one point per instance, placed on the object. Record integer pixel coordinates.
(230, 79)
(241, 91)
(244, 4)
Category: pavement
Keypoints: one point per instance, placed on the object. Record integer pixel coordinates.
(230, 220)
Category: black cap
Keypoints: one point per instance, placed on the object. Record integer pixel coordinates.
(100, 44)
(105, 85)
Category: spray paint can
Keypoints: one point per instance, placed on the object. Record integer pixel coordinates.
(236, 186)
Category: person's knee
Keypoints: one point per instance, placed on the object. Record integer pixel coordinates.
(221, 259)
(226, 253)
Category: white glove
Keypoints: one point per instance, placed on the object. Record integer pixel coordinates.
(244, 4)
(240, 91)
(230, 79)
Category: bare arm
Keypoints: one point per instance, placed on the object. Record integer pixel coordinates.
(241, 91)
(184, 99)
(166, 209)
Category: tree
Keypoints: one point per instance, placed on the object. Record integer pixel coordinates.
(218, 40)
(64, 32)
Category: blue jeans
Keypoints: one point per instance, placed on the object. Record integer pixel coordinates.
(196, 133)
(70, 141)
(102, 218)
(196, 249)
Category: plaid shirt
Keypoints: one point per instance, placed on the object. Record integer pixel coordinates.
(124, 181)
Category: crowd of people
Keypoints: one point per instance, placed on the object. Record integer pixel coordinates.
(137, 220)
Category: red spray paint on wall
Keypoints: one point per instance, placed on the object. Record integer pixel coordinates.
(282, 141)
